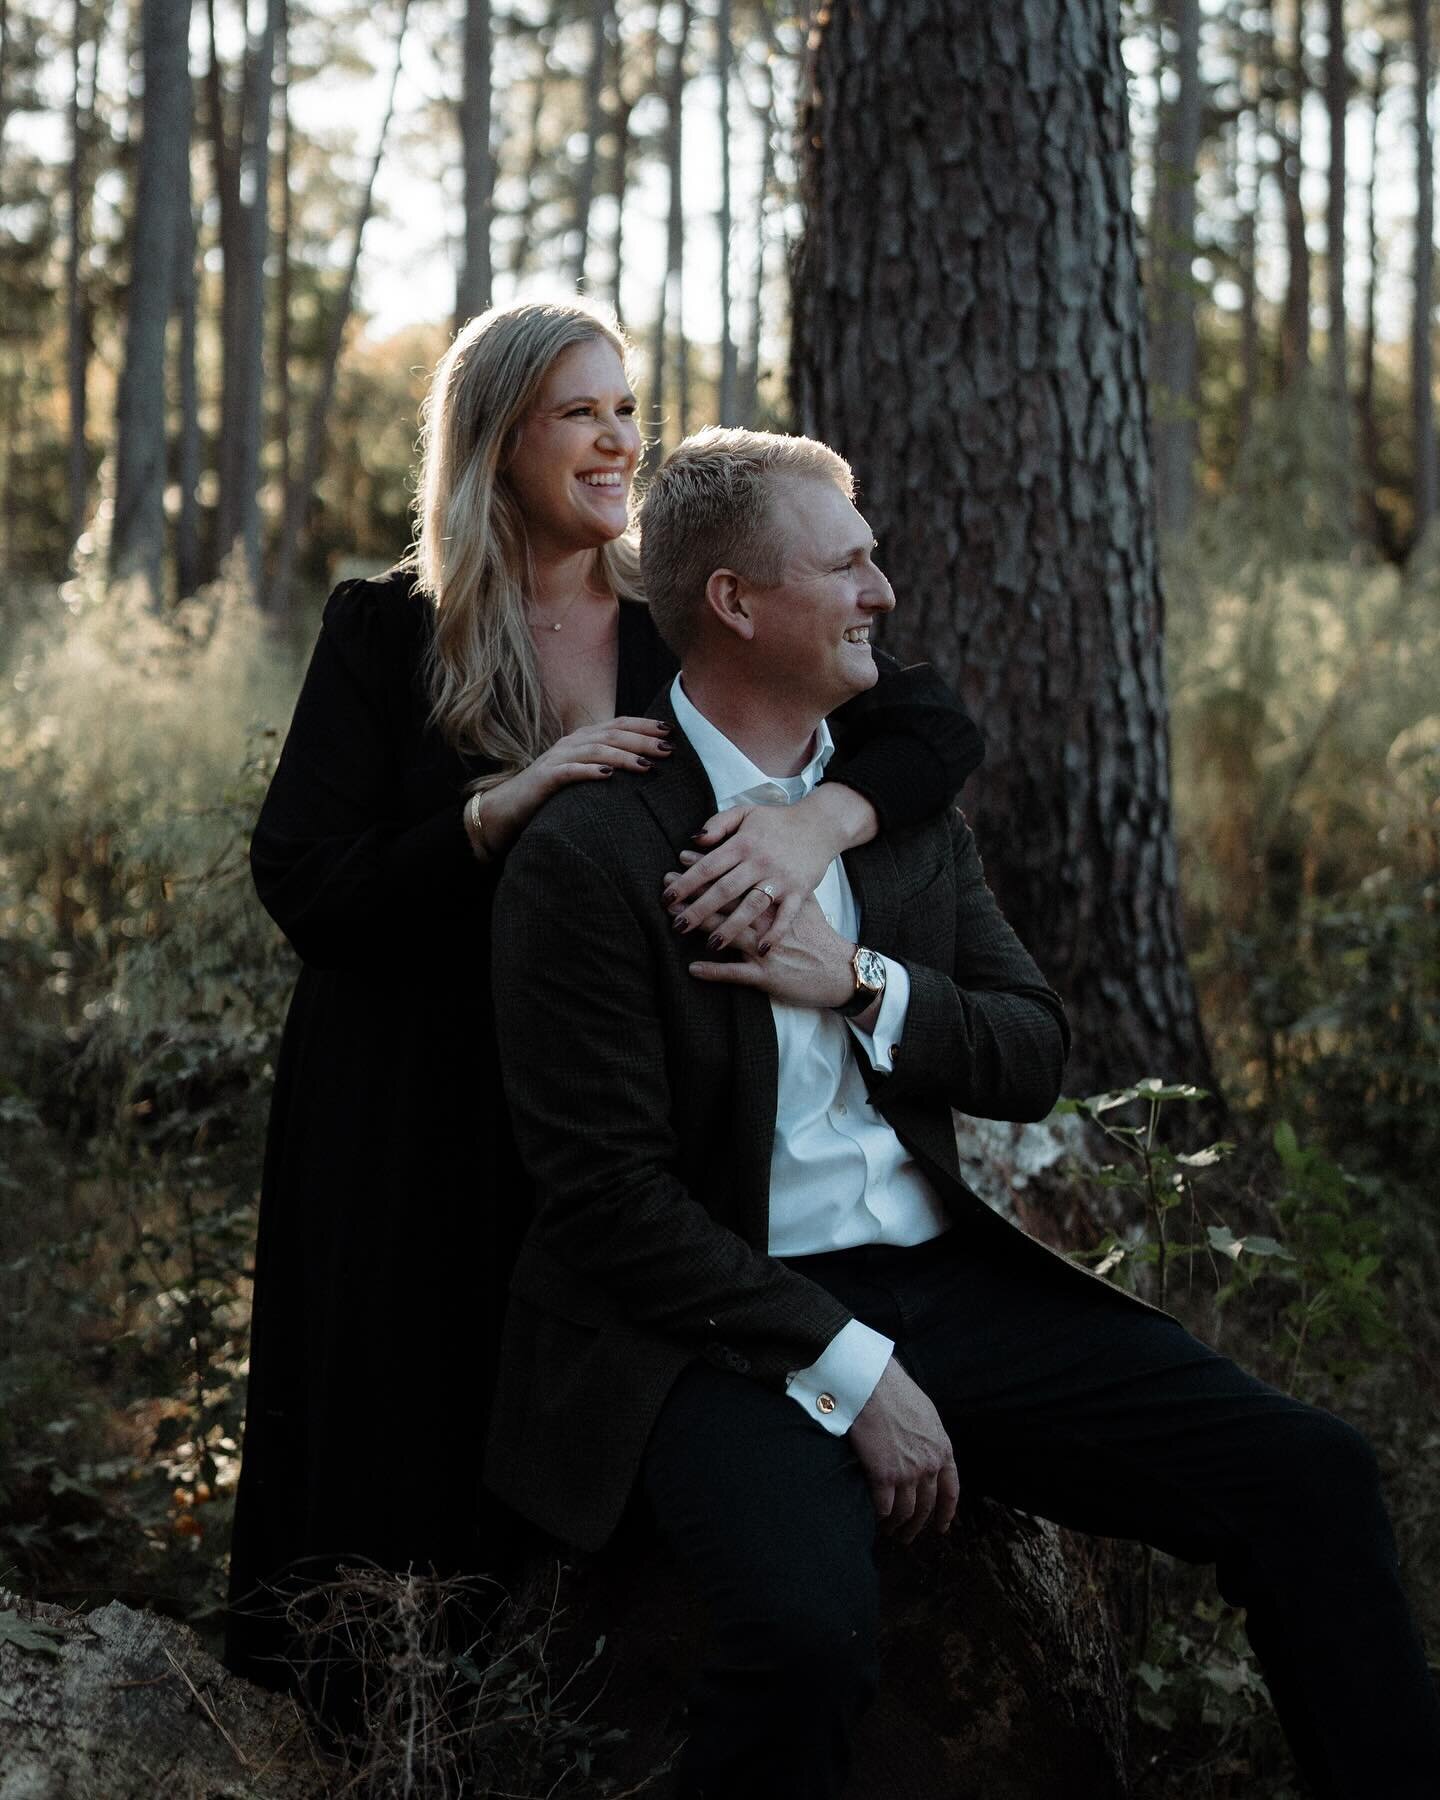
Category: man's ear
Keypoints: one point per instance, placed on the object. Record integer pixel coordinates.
(728, 600)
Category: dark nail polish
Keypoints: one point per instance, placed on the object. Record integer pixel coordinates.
(713, 942)
(670, 896)
(681, 922)
(605, 772)
(642, 762)
(764, 950)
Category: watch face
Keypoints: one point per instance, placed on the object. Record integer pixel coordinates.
(870, 970)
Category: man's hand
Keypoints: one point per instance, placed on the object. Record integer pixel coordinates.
(809, 967)
(906, 1457)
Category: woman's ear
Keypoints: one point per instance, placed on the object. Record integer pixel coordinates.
(728, 600)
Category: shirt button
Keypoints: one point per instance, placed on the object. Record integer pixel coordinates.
(825, 1403)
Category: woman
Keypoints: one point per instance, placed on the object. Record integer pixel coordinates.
(444, 703)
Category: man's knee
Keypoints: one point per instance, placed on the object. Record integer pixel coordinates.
(820, 1644)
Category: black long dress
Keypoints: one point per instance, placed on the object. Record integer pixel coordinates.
(392, 1197)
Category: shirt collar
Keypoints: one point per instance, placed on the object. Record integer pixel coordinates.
(736, 780)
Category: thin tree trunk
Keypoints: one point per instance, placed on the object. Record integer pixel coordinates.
(749, 378)
(1337, 98)
(225, 169)
(187, 524)
(675, 234)
(283, 273)
(298, 498)
(1369, 428)
(472, 290)
(1289, 135)
(76, 324)
(968, 328)
(670, 287)
(724, 60)
(1172, 253)
(4, 73)
(1422, 398)
(619, 182)
(250, 334)
(138, 539)
(594, 128)
(534, 156)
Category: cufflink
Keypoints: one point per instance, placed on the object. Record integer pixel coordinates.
(825, 1403)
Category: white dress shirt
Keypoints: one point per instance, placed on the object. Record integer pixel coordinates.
(839, 1176)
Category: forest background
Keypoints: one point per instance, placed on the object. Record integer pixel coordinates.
(233, 244)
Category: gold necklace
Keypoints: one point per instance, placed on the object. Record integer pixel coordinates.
(545, 625)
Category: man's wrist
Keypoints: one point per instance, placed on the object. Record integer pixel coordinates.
(851, 816)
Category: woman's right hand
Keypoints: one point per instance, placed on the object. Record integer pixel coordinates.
(590, 754)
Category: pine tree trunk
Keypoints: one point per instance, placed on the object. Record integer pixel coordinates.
(724, 61)
(225, 168)
(662, 352)
(1365, 402)
(1426, 484)
(250, 299)
(76, 323)
(1290, 168)
(534, 155)
(187, 522)
(137, 543)
(1337, 99)
(968, 329)
(472, 291)
(283, 278)
(594, 129)
(749, 377)
(297, 499)
(1172, 384)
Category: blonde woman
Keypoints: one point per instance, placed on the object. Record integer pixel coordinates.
(509, 656)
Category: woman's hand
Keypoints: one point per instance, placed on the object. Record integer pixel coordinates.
(749, 849)
(590, 754)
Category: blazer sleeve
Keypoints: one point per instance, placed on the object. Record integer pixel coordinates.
(987, 1035)
(577, 1012)
(338, 864)
(907, 744)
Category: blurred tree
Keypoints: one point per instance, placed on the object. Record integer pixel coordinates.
(670, 301)
(968, 327)
(472, 292)
(138, 539)
(726, 408)
(598, 22)
(1172, 238)
(1426, 488)
(1337, 101)
(1292, 84)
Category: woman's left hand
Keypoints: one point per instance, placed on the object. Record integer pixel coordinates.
(723, 892)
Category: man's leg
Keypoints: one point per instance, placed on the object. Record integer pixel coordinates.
(774, 1519)
(1113, 1421)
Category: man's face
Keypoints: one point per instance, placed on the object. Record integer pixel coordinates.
(813, 627)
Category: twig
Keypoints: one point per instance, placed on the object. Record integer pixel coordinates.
(207, 1709)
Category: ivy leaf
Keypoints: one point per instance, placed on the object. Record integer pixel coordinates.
(1153, 1678)
(30, 1634)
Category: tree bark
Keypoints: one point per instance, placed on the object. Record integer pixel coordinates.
(472, 290)
(671, 285)
(283, 276)
(77, 324)
(968, 327)
(225, 170)
(1365, 399)
(188, 572)
(594, 129)
(137, 542)
(1426, 481)
(1337, 99)
(534, 156)
(254, 238)
(1172, 384)
(749, 377)
(297, 499)
(724, 62)
(1290, 169)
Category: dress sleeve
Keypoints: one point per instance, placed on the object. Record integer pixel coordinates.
(340, 859)
(907, 744)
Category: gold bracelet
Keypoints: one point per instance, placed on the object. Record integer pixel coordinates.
(474, 819)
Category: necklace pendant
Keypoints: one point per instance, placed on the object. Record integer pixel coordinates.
(554, 627)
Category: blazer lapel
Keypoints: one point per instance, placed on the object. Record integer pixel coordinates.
(679, 795)
(875, 883)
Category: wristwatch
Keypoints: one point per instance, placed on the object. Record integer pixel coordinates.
(869, 968)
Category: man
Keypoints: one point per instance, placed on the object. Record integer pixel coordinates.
(758, 1294)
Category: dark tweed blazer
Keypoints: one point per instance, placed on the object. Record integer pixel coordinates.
(644, 1106)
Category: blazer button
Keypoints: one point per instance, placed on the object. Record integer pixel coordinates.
(825, 1403)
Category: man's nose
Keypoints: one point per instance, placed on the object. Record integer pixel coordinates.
(878, 596)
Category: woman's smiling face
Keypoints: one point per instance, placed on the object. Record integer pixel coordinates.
(575, 459)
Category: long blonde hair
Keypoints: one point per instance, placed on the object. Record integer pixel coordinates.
(471, 552)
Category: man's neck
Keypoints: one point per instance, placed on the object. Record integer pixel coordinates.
(777, 735)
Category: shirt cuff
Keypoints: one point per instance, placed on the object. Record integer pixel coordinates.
(883, 1038)
(833, 1389)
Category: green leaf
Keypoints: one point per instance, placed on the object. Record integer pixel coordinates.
(1153, 1678)
(30, 1634)
(1256, 1245)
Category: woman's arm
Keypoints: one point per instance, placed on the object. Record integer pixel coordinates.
(903, 750)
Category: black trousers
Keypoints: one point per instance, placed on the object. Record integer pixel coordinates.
(1068, 1404)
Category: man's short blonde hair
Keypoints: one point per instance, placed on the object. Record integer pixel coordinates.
(711, 507)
